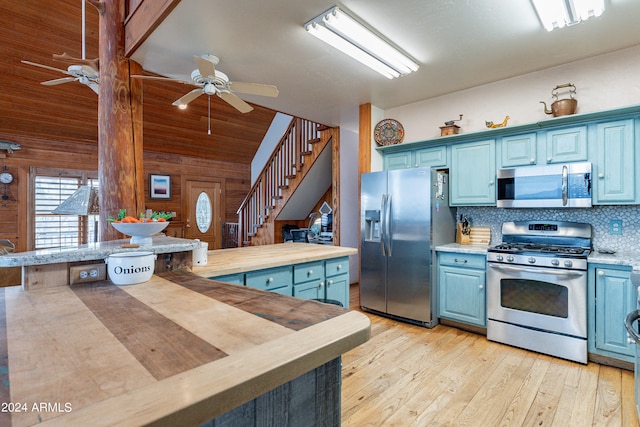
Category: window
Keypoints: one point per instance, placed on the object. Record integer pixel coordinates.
(51, 188)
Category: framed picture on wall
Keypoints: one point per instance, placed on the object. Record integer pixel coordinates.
(160, 186)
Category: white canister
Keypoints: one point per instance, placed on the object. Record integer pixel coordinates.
(199, 255)
(128, 268)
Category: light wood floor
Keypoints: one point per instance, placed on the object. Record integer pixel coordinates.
(408, 375)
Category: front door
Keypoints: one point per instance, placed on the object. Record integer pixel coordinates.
(202, 213)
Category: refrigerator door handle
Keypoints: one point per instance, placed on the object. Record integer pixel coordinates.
(388, 224)
(383, 207)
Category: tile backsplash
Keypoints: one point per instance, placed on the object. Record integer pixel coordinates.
(598, 216)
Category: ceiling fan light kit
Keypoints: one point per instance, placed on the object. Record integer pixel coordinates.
(343, 32)
(559, 13)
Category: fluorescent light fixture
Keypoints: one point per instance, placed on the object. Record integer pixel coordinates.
(341, 31)
(558, 13)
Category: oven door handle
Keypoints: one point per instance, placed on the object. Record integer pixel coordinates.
(628, 324)
(521, 269)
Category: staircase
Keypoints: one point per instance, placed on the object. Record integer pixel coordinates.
(301, 144)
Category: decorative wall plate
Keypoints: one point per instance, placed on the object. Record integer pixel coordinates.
(388, 132)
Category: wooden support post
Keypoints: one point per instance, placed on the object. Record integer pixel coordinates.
(119, 124)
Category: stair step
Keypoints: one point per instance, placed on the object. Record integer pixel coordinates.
(306, 153)
(314, 141)
(283, 187)
(322, 127)
(290, 176)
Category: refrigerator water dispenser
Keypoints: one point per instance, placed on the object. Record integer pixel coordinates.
(372, 226)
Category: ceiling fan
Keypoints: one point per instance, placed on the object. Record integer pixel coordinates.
(209, 81)
(82, 70)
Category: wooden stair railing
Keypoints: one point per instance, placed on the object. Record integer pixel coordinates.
(285, 163)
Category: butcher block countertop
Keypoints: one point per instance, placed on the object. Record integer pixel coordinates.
(177, 350)
(239, 260)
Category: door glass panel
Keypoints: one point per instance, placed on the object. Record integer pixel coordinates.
(203, 212)
(535, 297)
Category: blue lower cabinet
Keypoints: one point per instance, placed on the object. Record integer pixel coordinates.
(615, 297)
(309, 290)
(311, 280)
(279, 279)
(236, 279)
(461, 288)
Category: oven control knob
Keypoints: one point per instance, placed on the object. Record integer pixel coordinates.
(499, 258)
(509, 258)
(531, 260)
(568, 263)
(555, 262)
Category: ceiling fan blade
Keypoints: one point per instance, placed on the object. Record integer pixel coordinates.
(94, 87)
(206, 68)
(254, 89)
(186, 99)
(45, 66)
(65, 57)
(166, 79)
(235, 102)
(58, 81)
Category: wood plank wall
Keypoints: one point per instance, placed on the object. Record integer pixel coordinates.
(38, 152)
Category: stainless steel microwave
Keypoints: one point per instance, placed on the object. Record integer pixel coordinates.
(552, 186)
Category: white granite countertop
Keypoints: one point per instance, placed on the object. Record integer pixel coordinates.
(463, 249)
(630, 258)
(92, 251)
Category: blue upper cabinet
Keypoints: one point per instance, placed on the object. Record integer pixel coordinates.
(434, 157)
(473, 174)
(567, 145)
(604, 138)
(518, 150)
(614, 168)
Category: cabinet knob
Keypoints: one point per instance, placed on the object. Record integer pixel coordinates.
(320, 285)
(339, 267)
(600, 273)
(600, 175)
(309, 273)
(491, 182)
(532, 160)
(270, 280)
(416, 165)
(481, 287)
(329, 282)
(549, 159)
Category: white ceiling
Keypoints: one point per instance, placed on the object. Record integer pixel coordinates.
(459, 44)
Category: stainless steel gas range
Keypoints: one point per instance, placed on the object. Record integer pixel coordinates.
(537, 287)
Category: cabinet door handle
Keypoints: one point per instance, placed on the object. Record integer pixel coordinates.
(463, 261)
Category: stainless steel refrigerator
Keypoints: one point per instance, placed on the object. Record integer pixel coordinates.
(404, 214)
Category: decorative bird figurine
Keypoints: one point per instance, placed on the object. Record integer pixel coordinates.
(498, 125)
